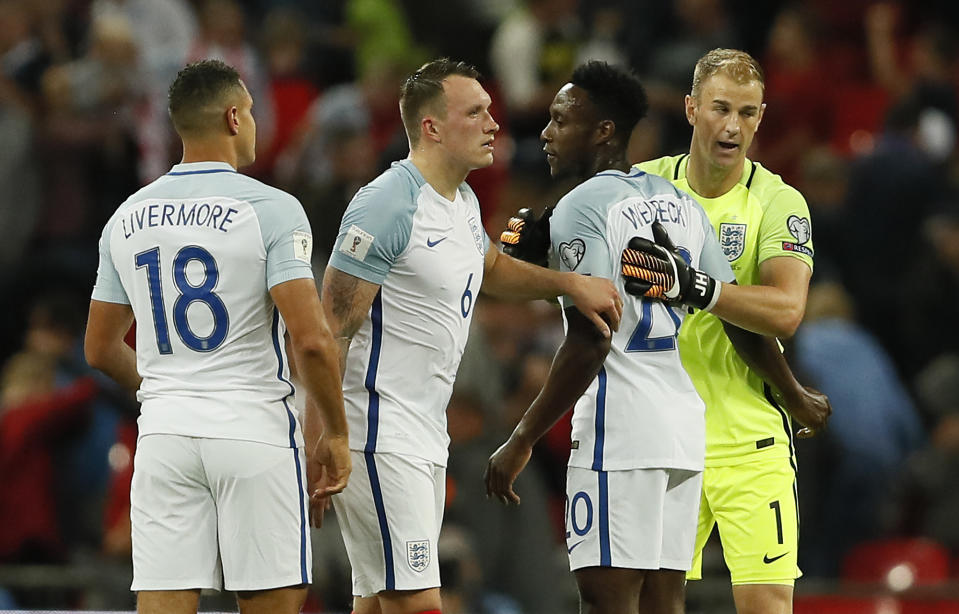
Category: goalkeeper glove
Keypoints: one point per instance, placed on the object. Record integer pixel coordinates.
(658, 270)
(527, 238)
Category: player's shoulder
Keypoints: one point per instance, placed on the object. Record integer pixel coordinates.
(395, 189)
(402, 178)
(256, 192)
(666, 166)
(769, 187)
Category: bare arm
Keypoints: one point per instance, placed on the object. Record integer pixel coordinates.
(315, 356)
(762, 355)
(773, 307)
(346, 301)
(577, 362)
(508, 278)
(103, 345)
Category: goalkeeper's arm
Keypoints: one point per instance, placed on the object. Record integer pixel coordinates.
(774, 307)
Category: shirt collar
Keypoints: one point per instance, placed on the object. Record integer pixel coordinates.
(196, 168)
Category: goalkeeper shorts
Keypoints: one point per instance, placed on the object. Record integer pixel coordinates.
(755, 506)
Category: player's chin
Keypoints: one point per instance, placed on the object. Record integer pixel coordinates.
(485, 160)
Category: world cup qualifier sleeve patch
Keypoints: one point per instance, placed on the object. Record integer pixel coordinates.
(302, 245)
(800, 229)
(356, 243)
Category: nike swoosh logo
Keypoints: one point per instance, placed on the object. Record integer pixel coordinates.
(570, 549)
(768, 560)
(434, 243)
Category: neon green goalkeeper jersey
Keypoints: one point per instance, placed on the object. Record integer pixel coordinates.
(760, 218)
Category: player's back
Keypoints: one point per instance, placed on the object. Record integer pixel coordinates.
(191, 252)
(642, 410)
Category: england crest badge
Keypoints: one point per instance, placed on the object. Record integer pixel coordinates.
(418, 555)
(732, 239)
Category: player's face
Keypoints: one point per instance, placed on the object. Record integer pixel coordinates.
(246, 146)
(725, 118)
(567, 138)
(468, 129)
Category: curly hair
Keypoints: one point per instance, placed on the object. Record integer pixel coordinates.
(616, 93)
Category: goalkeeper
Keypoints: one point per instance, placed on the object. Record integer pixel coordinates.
(749, 484)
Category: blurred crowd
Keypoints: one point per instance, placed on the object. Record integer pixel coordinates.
(862, 119)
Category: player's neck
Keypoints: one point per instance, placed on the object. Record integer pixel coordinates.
(709, 180)
(205, 151)
(437, 170)
(616, 162)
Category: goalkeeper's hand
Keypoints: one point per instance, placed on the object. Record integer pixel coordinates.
(658, 270)
(527, 238)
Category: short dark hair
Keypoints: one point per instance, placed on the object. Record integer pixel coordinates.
(616, 93)
(424, 86)
(199, 90)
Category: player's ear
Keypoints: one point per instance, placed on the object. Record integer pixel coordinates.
(429, 129)
(691, 110)
(605, 131)
(233, 120)
(762, 111)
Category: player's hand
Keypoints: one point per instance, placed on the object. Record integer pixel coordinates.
(328, 470)
(526, 237)
(658, 270)
(811, 409)
(502, 469)
(598, 300)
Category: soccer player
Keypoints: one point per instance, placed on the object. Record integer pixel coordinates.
(763, 226)
(400, 291)
(215, 268)
(633, 484)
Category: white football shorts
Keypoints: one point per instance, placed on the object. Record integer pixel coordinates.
(209, 513)
(634, 519)
(390, 515)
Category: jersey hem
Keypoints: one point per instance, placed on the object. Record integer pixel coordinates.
(285, 444)
(402, 452)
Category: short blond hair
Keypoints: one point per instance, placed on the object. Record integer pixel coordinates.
(735, 64)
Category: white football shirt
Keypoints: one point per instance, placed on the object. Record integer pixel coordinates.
(426, 253)
(194, 254)
(642, 410)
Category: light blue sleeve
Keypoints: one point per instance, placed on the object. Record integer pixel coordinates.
(287, 237)
(577, 232)
(108, 287)
(712, 260)
(376, 228)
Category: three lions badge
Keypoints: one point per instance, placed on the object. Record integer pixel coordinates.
(418, 555)
(732, 240)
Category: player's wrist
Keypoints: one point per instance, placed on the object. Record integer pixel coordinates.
(522, 437)
(702, 291)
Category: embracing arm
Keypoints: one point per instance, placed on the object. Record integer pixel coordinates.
(576, 363)
(103, 345)
(773, 307)
(762, 354)
(507, 278)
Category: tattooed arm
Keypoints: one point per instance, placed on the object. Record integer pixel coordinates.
(346, 301)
